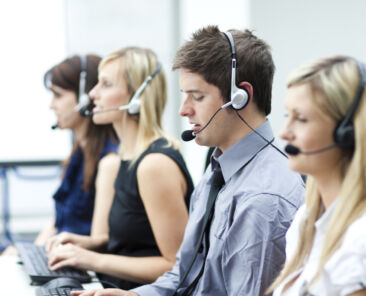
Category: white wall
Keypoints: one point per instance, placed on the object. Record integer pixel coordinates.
(30, 45)
(32, 35)
(299, 31)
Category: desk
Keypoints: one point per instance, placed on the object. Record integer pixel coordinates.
(14, 281)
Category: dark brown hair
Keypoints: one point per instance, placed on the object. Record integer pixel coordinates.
(208, 54)
(67, 76)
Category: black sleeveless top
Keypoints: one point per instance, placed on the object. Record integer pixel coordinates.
(130, 233)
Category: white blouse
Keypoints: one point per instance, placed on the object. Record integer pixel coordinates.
(344, 272)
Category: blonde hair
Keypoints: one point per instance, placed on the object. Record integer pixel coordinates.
(334, 82)
(135, 65)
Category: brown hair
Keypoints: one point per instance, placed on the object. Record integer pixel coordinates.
(67, 76)
(208, 54)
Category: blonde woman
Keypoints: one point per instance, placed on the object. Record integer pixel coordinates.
(153, 186)
(326, 133)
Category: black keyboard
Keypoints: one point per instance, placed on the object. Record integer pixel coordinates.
(36, 264)
(55, 292)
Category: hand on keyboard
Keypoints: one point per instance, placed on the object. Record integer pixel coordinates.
(64, 238)
(71, 255)
(36, 264)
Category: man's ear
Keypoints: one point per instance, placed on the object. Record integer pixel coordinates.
(248, 87)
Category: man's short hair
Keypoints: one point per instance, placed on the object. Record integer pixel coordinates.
(208, 54)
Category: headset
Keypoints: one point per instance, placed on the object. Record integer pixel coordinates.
(239, 97)
(344, 134)
(83, 98)
(135, 102)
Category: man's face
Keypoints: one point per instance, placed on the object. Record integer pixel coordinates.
(202, 100)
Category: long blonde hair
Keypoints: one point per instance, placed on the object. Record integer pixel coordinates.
(135, 65)
(335, 80)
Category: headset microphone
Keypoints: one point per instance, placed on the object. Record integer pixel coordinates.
(78, 108)
(120, 108)
(189, 135)
(293, 150)
(133, 107)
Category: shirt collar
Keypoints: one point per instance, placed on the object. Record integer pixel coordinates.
(242, 151)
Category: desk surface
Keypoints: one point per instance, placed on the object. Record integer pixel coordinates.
(15, 281)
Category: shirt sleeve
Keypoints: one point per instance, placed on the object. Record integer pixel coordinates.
(254, 250)
(164, 285)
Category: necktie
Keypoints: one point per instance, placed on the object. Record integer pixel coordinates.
(216, 184)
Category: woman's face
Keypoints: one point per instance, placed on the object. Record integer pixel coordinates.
(63, 104)
(307, 129)
(110, 93)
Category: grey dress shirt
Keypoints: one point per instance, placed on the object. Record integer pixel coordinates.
(253, 211)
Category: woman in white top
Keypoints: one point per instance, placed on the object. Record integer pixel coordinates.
(326, 136)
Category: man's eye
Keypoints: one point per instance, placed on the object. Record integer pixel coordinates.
(197, 98)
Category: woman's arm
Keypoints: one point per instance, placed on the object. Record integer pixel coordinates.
(162, 187)
(104, 186)
(104, 191)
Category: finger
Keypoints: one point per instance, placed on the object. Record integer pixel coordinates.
(57, 257)
(62, 263)
(83, 293)
(79, 293)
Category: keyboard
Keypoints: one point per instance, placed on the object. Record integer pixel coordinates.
(55, 292)
(36, 264)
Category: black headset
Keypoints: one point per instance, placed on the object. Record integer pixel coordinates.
(135, 102)
(344, 134)
(239, 97)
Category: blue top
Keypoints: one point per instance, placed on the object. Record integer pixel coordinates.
(74, 205)
(253, 211)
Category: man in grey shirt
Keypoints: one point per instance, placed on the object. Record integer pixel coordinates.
(245, 245)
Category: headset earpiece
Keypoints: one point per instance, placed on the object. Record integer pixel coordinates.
(134, 106)
(83, 99)
(135, 102)
(239, 97)
(344, 134)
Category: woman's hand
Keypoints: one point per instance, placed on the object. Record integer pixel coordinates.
(71, 255)
(61, 239)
